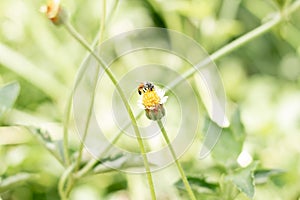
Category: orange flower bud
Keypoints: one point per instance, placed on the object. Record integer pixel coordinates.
(54, 12)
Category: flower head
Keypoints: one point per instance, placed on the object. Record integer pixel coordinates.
(152, 100)
(54, 12)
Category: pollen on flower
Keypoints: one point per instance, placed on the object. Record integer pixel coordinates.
(150, 99)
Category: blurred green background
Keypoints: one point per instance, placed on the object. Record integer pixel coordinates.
(261, 79)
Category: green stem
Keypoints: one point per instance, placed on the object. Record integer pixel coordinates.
(182, 174)
(234, 45)
(215, 56)
(69, 102)
(66, 121)
(67, 112)
(62, 182)
(87, 123)
(102, 22)
(247, 37)
(90, 110)
(82, 69)
(294, 7)
(78, 37)
(227, 49)
(92, 163)
(277, 19)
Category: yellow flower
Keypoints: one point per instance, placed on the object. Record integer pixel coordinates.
(152, 100)
(54, 12)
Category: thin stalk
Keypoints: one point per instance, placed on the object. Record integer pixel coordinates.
(277, 19)
(90, 110)
(87, 123)
(68, 109)
(92, 163)
(67, 113)
(82, 69)
(214, 56)
(102, 22)
(79, 38)
(182, 174)
(71, 180)
(66, 121)
(248, 37)
(227, 49)
(62, 182)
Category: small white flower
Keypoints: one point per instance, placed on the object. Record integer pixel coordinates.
(152, 100)
(143, 102)
(161, 95)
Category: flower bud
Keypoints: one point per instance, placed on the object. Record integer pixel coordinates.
(54, 12)
(156, 113)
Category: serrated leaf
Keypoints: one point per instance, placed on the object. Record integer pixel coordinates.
(198, 184)
(54, 147)
(8, 96)
(119, 161)
(243, 179)
(263, 175)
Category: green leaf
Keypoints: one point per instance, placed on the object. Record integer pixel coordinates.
(43, 136)
(230, 143)
(227, 149)
(243, 179)
(198, 184)
(8, 96)
(15, 180)
(237, 126)
(119, 161)
(263, 175)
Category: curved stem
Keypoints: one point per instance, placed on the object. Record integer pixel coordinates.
(102, 22)
(182, 174)
(67, 112)
(248, 37)
(79, 38)
(227, 49)
(277, 19)
(215, 56)
(62, 182)
(66, 121)
(91, 104)
(92, 163)
(87, 123)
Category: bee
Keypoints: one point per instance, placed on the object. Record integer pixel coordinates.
(145, 87)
